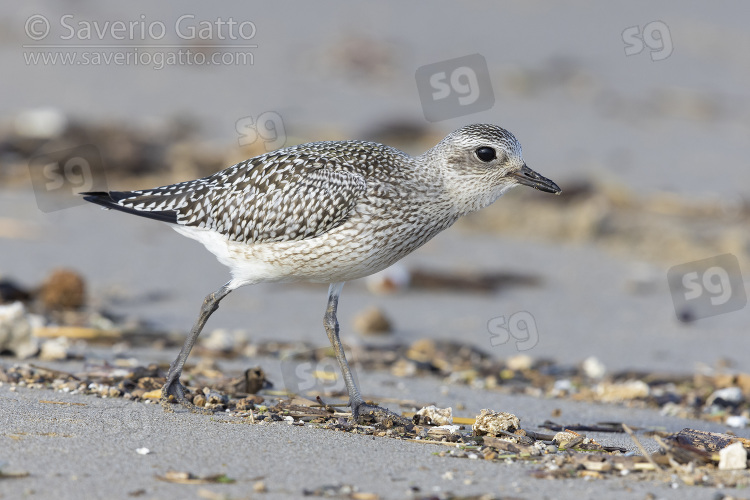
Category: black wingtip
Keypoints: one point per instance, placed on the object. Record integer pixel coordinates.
(98, 197)
(109, 200)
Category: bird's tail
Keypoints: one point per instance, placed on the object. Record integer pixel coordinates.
(111, 200)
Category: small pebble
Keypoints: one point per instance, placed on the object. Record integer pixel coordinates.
(622, 391)
(392, 279)
(431, 415)
(737, 421)
(63, 290)
(55, 349)
(489, 423)
(729, 396)
(520, 362)
(373, 321)
(16, 331)
(733, 457)
(593, 368)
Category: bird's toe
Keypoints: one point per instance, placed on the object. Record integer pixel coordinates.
(365, 413)
(173, 391)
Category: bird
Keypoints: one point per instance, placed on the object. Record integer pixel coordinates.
(328, 212)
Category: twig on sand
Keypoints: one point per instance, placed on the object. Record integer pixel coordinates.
(640, 447)
(56, 372)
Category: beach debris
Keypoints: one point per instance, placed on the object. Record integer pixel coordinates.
(599, 427)
(431, 415)
(404, 368)
(340, 491)
(622, 391)
(211, 399)
(562, 388)
(492, 423)
(5, 474)
(372, 321)
(726, 397)
(520, 362)
(567, 439)
(422, 351)
(642, 278)
(678, 395)
(733, 457)
(398, 278)
(432, 280)
(651, 227)
(218, 340)
(153, 395)
(696, 448)
(181, 477)
(16, 328)
(694, 455)
(737, 421)
(78, 333)
(392, 279)
(508, 444)
(224, 341)
(142, 451)
(442, 432)
(253, 382)
(248, 403)
(64, 289)
(40, 123)
(55, 349)
(11, 292)
(640, 446)
(593, 368)
(708, 442)
(60, 301)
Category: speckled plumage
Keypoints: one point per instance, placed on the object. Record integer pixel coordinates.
(329, 212)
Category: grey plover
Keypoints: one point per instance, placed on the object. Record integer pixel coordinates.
(329, 212)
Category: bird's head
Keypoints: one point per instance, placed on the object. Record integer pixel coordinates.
(479, 163)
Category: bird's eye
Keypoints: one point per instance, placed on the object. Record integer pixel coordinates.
(485, 154)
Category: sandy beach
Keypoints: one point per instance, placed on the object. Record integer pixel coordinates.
(638, 111)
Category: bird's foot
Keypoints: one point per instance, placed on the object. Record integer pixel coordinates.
(173, 390)
(364, 413)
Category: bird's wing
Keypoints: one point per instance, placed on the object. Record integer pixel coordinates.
(269, 198)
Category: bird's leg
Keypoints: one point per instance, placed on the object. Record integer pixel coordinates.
(173, 387)
(360, 409)
(332, 329)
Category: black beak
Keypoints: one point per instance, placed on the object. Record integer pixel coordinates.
(528, 177)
